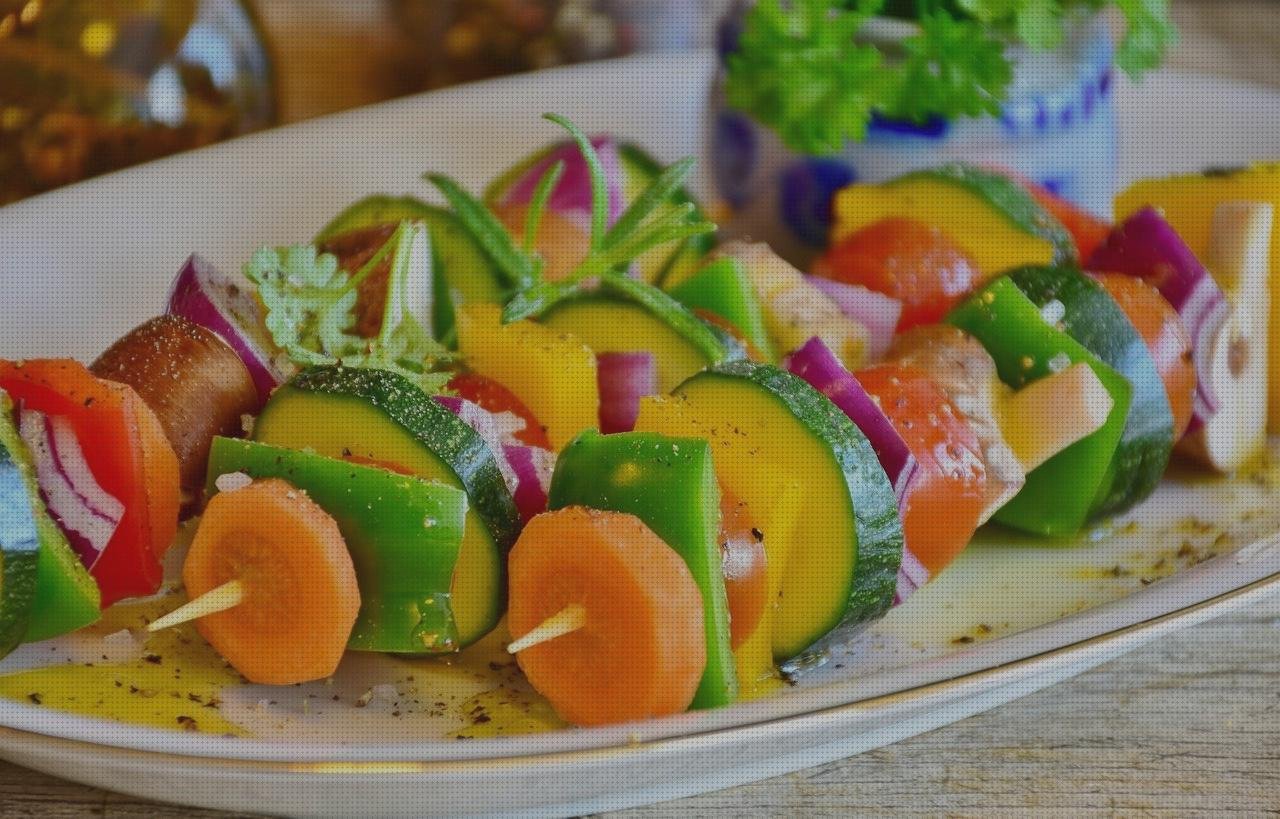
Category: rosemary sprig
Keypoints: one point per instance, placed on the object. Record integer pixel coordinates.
(653, 219)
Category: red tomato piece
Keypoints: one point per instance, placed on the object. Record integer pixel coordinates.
(494, 397)
(1166, 337)
(128, 455)
(913, 262)
(947, 494)
(742, 556)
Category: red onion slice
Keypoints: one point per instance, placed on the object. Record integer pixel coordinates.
(875, 311)
(816, 364)
(912, 575)
(1147, 246)
(623, 379)
(228, 309)
(86, 513)
(526, 470)
(532, 467)
(573, 193)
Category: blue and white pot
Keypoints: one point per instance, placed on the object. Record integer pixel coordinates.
(1058, 128)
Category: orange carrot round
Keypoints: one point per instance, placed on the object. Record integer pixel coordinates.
(300, 597)
(640, 650)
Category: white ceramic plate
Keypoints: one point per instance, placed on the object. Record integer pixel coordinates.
(82, 265)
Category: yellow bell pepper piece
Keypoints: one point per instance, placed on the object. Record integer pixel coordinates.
(1188, 202)
(552, 372)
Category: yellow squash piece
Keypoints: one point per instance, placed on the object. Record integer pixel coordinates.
(1189, 202)
(767, 439)
(993, 240)
(612, 325)
(551, 371)
(757, 675)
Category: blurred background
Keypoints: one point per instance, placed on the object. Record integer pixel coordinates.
(91, 85)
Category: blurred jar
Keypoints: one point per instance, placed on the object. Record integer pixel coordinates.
(87, 86)
(452, 41)
(1057, 127)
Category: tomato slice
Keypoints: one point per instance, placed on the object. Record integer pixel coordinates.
(742, 560)
(946, 496)
(129, 457)
(915, 263)
(1166, 337)
(494, 397)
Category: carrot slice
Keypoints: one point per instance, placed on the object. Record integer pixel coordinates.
(641, 650)
(300, 596)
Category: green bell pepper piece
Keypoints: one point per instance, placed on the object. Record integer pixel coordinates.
(403, 533)
(44, 588)
(1063, 493)
(1093, 318)
(722, 288)
(670, 484)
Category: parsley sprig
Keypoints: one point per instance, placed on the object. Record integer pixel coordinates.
(801, 69)
(311, 303)
(655, 218)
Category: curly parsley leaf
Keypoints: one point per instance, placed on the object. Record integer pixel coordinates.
(801, 69)
(1149, 35)
(952, 67)
(311, 303)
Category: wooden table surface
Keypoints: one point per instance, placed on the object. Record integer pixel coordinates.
(1190, 724)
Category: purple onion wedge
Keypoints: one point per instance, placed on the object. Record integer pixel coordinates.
(816, 364)
(1147, 246)
(228, 308)
(623, 379)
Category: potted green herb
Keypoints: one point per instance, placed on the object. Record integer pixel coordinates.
(821, 93)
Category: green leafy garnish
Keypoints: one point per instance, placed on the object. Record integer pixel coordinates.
(655, 218)
(801, 69)
(311, 309)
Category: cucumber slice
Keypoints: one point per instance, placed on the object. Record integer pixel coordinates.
(44, 588)
(403, 534)
(770, 432)
(379, 416)
(624, 316)
(670, 484)
(1092, 317)
(465, 272)
(668, 264)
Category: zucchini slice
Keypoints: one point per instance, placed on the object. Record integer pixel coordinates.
(380, 417)
(769, 430)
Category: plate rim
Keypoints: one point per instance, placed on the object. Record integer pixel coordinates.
(35, 722)
(917, 697)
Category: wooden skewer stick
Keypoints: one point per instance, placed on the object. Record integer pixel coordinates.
(227, 596)
(566, 621)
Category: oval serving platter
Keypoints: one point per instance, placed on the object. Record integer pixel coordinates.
(81, 265)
